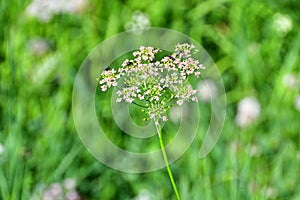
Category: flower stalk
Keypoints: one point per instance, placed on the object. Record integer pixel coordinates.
(162, 146)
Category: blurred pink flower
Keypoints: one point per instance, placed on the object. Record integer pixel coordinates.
(248, 111)
(45, 9)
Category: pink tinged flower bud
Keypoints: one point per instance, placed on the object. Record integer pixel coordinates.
(147, 92)
(192, 92)
(165, 118)
(118, 100)
(119, 92)
(144, 57)
(141, 97)
(151, 56)
(197, 74)
(114, 83)
(129, 100)
(103, 88)
(121, 69)
(180, 66)
(195, 99)
(180, 102)
(196, 63)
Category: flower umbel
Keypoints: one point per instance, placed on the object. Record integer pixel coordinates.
(155, 84)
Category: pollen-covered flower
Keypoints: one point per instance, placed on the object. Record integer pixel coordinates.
(155, 84)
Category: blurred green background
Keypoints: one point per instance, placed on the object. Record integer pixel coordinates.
(255, 45)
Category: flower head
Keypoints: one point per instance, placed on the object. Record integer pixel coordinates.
(290, 81)
(139, 20)
(248, 111)
(282, 24)
(155, 84)
(45, 9)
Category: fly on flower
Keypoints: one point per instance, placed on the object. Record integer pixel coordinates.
(155, 84)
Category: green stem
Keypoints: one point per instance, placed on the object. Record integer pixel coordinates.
(166, 161)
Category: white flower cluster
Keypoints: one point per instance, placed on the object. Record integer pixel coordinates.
(248, 111)
(155, 84)
(45, 9)
(282, 24)
(65, 190)
(139, 20)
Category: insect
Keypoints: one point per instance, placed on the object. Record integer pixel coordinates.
(130, 62)
(107, 68)
(179, 52)
(171, 57)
